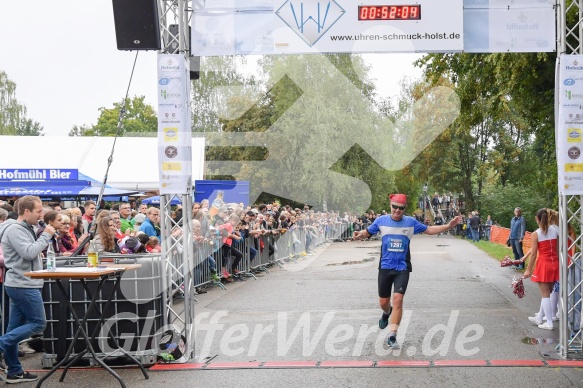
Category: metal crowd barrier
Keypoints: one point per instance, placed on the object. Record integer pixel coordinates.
(273, 247)
(245, 246)
(135, 317)
(339, 231)
(207, 258)
(574, 301)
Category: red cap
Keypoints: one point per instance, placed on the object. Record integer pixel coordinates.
(398, 198)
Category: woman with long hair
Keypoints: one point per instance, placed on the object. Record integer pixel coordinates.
(554, 223)
(78, 229)
(55, 219)
(543, 267)
(105, 237)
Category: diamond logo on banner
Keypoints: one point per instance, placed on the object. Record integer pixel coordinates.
(310, 19)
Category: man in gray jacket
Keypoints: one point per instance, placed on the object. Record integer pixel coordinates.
(22, 254)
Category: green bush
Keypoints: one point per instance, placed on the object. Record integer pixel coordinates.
(500, 202)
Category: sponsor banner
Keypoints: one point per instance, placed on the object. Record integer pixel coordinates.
(515, 28)
(569, 140)
(508, 3)
(38, 174)
(316, 26)
(174, 128)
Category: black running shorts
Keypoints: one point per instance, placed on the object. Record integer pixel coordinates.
(390, 277)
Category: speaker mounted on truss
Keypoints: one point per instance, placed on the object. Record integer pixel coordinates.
(137, 24)
(173, 31)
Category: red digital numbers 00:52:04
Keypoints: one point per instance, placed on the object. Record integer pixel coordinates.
(389, 12)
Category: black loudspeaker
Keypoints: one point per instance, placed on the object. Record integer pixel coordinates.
(194, 68)
(137, 25)
(173, 49)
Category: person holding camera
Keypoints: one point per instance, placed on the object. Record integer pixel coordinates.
(22, 253)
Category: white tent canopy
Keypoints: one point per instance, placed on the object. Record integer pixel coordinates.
(134, 166)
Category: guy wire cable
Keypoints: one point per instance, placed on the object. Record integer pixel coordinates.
(122, 112)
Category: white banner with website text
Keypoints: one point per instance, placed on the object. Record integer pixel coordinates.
(226, 27)
(174, 125)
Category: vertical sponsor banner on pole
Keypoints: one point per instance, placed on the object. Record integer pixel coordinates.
(174, 129)
(570, 124)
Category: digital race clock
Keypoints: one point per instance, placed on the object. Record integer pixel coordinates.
(389, 12)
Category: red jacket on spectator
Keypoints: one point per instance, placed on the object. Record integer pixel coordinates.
(229, 230)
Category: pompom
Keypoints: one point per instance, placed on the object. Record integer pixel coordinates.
(518, 287)
(507, 262)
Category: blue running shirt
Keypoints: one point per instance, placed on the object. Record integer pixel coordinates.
(396, 236)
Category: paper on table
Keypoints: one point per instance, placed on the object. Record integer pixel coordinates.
(79, 269)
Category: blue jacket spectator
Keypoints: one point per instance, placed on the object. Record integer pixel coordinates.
(149, 225)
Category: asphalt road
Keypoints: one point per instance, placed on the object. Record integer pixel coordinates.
(459, 306)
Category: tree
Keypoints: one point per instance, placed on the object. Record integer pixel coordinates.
(501, 201)
(505, 132)
(309, 129)
(139, 118)
(28, 127)
(79, 130)
(328, 141)
(219, 82)
(312, 113)
(13, 119)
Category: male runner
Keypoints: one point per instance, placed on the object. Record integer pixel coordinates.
(396, 230)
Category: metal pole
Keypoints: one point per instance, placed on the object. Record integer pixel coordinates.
(424, 200)
(563, 330)
(188, 268)
(177, 267)
(164, 271)
(569, 39)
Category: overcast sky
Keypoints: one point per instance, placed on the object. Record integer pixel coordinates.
(63, 58)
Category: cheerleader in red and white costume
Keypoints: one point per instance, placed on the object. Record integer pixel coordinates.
(554, 223)
(545, 260)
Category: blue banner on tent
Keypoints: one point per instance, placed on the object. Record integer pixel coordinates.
(38, 174)
(53, 188)
(155, 201)
(57, 189)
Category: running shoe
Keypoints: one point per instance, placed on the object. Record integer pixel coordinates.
(21, 378)
(392, 342)
(384, 321)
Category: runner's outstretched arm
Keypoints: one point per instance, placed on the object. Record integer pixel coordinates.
(436, 229)
(362, 235)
